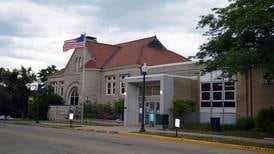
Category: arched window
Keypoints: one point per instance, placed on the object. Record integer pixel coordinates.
(74, 96)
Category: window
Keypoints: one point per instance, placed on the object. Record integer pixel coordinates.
(76, 64)
(218, 94)
(110, 85)
(205, 94)
(61, 88)
(55, 87)
(205, 104)
(74, 96)
(123, 84)
(80, 62)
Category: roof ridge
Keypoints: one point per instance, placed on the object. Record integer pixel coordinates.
(112, 45)
(136, 40)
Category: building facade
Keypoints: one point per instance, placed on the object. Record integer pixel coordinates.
(112, 72)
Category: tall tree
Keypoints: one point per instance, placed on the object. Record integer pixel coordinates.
(43, 74)
(15, 85)
(241, 38)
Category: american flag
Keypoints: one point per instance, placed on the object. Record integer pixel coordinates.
(74, 43)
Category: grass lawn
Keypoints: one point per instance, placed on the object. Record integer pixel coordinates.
(213, 139)
(228, 130)
(57, 124)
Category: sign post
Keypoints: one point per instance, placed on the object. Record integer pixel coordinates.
(177, 125)
(70, 119)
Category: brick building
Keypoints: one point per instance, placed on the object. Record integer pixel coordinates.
(113, 72)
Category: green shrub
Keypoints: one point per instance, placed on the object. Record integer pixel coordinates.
(182, 106)
(265, 120)
(103, 108)
(40, 103)
(89, 110)
(119, 108)
(246, 123)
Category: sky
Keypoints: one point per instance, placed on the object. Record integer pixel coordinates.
(32, 32)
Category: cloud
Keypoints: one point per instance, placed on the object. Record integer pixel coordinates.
(32, 31)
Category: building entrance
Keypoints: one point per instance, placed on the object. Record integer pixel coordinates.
(152, 107)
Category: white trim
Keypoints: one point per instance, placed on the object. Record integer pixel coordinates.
(162, 75)
(172, 64)
(112, 81)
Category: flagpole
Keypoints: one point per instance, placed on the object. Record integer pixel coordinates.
(83, 83)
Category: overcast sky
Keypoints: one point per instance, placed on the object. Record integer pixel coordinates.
(32, 31)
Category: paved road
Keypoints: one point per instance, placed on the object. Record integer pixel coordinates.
(38, 140)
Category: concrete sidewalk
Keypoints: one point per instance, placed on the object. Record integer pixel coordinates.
(121, 129)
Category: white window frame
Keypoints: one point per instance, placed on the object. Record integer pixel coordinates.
(76, 65)
(80, 62)
(112, 81)
(122, 83)
(223, 100)
(61, 88)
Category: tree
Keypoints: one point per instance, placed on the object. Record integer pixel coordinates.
(43, 74)
(180, 107)
(39, 104)
(5, 101)
(240, 39)
(15, 84)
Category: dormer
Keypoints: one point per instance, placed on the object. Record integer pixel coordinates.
(155, 43)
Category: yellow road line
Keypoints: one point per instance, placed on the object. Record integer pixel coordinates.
(218, 144)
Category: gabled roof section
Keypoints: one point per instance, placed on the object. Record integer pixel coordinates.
(157, 56)
(148, 50)
(101, 52)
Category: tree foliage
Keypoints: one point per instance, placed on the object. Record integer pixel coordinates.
(180, 107)
(16, 90)
(39, 104)
(43, 74)
(265, 119)
(241, 37)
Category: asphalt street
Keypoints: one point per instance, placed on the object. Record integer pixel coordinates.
(19, 139)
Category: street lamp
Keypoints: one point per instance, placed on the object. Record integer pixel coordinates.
(144, 70)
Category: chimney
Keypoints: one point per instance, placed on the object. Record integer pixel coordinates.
(91, 38)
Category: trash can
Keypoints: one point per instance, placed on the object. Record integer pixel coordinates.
(162, 121)
(215, 124)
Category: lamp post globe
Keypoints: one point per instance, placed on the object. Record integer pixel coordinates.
(144, 70)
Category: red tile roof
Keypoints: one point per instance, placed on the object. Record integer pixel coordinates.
(128, 53)
(101, 52)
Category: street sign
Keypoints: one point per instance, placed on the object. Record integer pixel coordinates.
(71, 116)
(177, 123)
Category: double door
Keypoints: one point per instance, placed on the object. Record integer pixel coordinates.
(151, 109)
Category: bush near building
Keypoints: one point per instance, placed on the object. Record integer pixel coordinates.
(119, 108)
(38, 104)
(246, 123)
(100, 111)
(180, 107)
(265, 120)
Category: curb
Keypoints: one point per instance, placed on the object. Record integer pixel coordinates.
(218, 144)
(98, 131)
